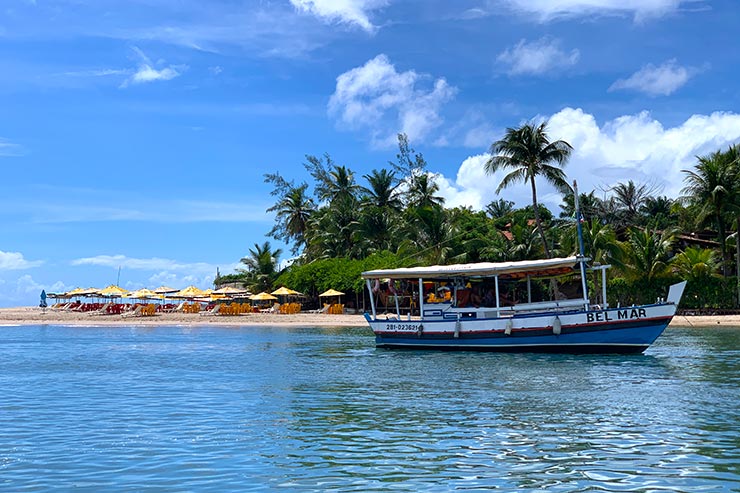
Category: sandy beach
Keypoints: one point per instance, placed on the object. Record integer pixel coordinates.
(35, 316)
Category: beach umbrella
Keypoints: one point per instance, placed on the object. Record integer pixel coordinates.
(165, 290)
(230, 291)
(283, 291)
(189, 292)
(143, 293)
(262, 297)
(331, 292)
(112, 291)
(42, 303)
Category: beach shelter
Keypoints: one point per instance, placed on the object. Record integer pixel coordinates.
(230, 291)
(189, 292)
(331, 292)
(262, 297)
(283, 291)
(112, 291)
(143, 294)
(165, 290)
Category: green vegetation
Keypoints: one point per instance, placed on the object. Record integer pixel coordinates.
(341, 224)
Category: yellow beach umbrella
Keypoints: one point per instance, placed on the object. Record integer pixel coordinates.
(230, 291)
(262, 297)
(283, 291)
(165, 290)
(189, 292)
(331, 292)
(112, 291)
(142, 294)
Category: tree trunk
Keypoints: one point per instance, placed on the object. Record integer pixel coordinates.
(537, 219)
(722, 243)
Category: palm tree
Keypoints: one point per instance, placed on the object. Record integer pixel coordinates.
(528, 153)
(695, 263)
(432, 232)
(629, 200)
(382, 190)
(646, 255)
(709, 188)
(422, 190)
(293, 211)
(261, 266)
(500, 208)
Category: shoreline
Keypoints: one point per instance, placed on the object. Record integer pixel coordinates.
(35, 316)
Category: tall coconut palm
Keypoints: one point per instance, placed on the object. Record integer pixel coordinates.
(422, 192)
(292, 212)
(709, 187)
(382, 190)
(527, 153)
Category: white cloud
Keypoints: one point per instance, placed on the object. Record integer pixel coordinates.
(16, 261)
(27, 285)
(8, 148)
(105, 72)
(147, 73)
(365, 97)
(160, 271)
(640, 9)
(152, 264)
(656, 81)
(543, 56)
(631, 147)
(353, 12)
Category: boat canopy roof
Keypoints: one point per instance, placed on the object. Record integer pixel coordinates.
(517, 270)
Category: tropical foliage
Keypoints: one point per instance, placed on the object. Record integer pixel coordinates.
(341, 223)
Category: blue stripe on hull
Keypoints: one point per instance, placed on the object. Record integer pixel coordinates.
(612, 339)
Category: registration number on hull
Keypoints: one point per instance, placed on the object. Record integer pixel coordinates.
(403, 327)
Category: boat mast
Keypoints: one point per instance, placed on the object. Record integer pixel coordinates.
(582, 257)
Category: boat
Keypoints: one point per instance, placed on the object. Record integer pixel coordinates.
(442, 311)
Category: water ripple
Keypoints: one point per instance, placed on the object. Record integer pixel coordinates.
(249, 409)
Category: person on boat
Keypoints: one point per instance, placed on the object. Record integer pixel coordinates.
(463, 297)
(489, 299)
(475, 298)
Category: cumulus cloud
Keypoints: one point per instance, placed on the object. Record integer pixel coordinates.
(656, 81)
(366, 97)
(27, 285)
(631, 147)
(353, 12)
(543, 56)
(16, 261)
(640, 9)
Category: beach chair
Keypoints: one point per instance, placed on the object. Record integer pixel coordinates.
(274, 309)
(136, 312)
(325, 309)
(103, 310)
(179, 308)
(213, 311)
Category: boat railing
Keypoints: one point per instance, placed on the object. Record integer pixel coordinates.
(543, 306)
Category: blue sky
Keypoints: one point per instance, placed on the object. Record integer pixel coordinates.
(135, 133)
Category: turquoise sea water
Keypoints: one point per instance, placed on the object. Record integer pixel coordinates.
(239, 409)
